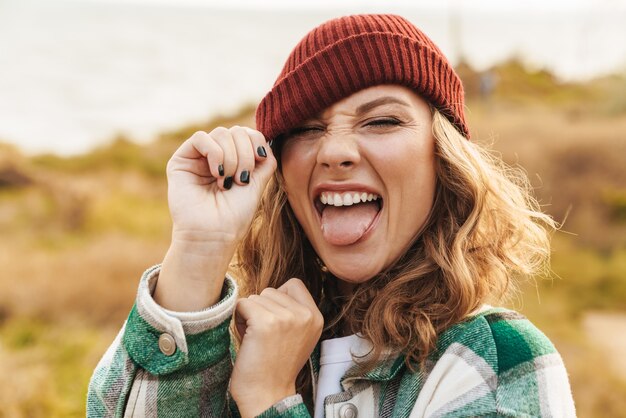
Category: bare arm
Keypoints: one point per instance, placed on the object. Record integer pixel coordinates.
(215, 182)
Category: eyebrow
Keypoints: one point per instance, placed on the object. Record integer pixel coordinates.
(366, 107)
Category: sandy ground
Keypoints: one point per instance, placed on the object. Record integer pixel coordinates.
(608, 332)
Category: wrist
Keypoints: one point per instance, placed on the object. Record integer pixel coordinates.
(202, 242)
(192, 275)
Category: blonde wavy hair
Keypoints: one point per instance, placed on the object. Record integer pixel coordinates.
(484, 230)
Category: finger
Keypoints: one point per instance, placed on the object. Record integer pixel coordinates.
(265, 166)
(197, 166)
(247, 309)
(199, 155)
(262, 314)
(240, 325)
(282, 299)
(276, 310)
(193, 147)
(224, 139)
(245, 155)
(298, 291)
(200, 167)
(244, 310)
(259, 144)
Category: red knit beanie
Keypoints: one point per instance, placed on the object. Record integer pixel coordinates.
(348, 54)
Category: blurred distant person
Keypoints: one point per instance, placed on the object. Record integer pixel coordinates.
(370, 237)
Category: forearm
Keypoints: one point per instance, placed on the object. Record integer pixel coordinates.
(136, 374)
(192, 274)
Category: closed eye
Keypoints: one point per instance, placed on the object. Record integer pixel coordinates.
(383, 122)
(305, 130)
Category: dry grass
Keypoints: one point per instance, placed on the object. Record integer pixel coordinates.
(575, 164)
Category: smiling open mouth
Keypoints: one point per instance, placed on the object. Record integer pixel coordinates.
(347, 216)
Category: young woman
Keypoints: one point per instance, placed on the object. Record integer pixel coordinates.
(369, 235)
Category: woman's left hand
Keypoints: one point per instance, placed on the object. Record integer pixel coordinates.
(280, 328)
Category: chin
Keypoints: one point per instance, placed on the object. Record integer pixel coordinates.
(352, 264)
(353, 273)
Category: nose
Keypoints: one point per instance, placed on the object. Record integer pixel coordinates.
(339, 151)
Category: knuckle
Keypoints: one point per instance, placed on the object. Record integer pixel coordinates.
(306, 316)
(316, 320)
(237, 129)
(241, 304)
(172, 163)
(266, 291)
(197, 134)
(294, 281)
(255, 134)
(288, 321)
(270, 323)
(218, 132)
(319, 320)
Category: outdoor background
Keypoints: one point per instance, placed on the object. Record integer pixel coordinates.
(95, 96)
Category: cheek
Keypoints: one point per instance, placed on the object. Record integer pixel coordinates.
(296, 162)
(410, 177)
(407, 164)
(296, 173)
(290, 170)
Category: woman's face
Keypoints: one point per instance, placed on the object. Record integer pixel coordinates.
(360, 179)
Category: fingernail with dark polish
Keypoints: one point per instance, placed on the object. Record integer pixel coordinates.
(220, 170)
(245, 177)
(261, 151)
(228, 182)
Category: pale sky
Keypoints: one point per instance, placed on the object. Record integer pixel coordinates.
(105, 69)
(499, 5)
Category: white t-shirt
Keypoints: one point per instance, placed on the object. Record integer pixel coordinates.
(335, 360)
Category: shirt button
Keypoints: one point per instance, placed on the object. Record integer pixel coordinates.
(348, 411)
(167, 345)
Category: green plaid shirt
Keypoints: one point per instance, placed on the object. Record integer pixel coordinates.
(496, 363)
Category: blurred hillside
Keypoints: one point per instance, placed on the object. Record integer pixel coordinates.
(77, 232)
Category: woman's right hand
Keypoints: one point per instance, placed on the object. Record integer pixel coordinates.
(215, 184)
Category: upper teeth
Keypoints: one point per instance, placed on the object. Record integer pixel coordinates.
(346, 198)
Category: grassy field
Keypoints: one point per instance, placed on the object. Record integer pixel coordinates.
(77, 233)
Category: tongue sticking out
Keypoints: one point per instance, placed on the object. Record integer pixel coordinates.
(344, 225)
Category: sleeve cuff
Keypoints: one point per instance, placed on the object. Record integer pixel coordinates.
(291, 406)
(163, 341)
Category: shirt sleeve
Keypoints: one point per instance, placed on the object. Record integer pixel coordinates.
(165, 362)
(541, 387)
(498, 364)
